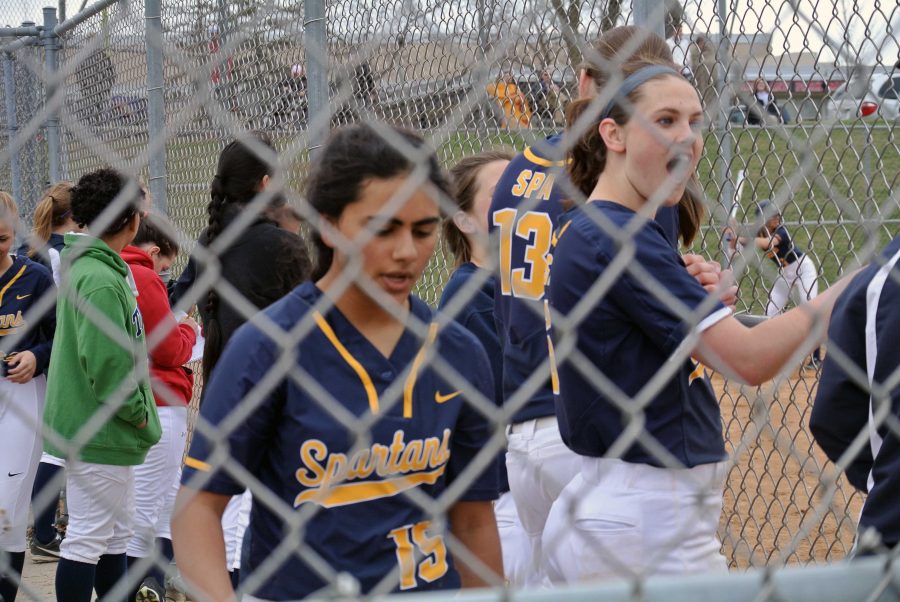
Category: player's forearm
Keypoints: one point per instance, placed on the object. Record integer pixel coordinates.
(475, 526)
(756, 355)
(200, 545)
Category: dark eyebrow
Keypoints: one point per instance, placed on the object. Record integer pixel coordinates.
(396, 222)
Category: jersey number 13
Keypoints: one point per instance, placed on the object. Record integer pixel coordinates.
(537, 229)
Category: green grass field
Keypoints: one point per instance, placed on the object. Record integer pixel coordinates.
(830, 205)
(834, 210)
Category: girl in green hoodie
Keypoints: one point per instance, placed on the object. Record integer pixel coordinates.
(100, 412)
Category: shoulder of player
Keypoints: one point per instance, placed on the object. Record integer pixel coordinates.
(457, 281)
(284, 313)
(34, 271)
(266, 239)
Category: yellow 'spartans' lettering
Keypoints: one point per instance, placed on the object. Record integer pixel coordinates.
(536, 182)
(311, 453)
(521, 182)
(11, 320)
(547, 189)
(336, 479)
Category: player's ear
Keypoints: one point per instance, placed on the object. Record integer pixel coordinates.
(264, 183)
(327, 230)
(464, 222)
(153, 251)
(613, 135)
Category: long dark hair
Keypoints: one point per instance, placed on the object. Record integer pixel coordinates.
(464, 180)
(588, 154)
(353, 155)
(238, 178)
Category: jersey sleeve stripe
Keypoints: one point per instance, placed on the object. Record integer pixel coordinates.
(534, 158)
(197, 464)
(410, 383)
(368, 385)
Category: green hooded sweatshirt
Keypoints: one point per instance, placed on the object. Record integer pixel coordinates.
(98, 389)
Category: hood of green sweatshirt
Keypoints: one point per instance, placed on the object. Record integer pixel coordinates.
(84, 245)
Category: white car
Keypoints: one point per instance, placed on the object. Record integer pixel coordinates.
(861, 98)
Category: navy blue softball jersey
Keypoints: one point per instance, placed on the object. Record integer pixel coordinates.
(363, 524)
(523, 214)
(784, 253)
(477, 316)
(21, 286)
(865, 325)
(48, 255)
(629, 335)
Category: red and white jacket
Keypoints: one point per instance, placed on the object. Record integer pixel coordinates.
(171, 382)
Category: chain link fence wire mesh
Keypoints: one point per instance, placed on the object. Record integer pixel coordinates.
(801, 106)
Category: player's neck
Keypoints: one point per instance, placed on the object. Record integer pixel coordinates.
(613, 186)
(381, 326)
(478, 255)
(5, 263)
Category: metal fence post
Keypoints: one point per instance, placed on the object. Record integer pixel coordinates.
(316, 73)
(649, 15)
(12, 126)
(156, 105)
(49, 41)
(726, 142)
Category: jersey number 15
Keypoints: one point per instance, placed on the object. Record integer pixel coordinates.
(537, 228)
(419, 553)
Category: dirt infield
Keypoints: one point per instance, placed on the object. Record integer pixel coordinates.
(775, 512)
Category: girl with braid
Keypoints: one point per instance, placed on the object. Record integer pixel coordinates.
(263, 263)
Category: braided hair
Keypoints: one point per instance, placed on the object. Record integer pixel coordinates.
(238, 178)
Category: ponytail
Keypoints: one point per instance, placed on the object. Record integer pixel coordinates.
(52, 211)
(587, 157)
(690, 211)
(238, 175)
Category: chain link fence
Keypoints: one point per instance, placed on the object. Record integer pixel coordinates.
(800, 110)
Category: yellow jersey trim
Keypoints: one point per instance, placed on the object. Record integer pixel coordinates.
(354, 493)
(531, 156)
(197, 464)
(368, 385)
(11, 282)
(413, 374)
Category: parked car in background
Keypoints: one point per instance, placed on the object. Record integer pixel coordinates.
(872, 93)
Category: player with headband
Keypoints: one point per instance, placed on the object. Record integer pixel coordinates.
(526, 204)
(366, 346)
(634, 403)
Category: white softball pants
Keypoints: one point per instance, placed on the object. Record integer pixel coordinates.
(235, 521)
(156, 483)
(514, 541)
(21, 416)
(100, 502)
(621, 520)
(799, 278)
(539, 466)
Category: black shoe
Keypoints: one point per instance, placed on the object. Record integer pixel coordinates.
(150, 591)
(45, 552)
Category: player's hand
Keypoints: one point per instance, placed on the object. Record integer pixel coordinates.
(21, 367)
(192, 323)
(728, 289)
(713, 278)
